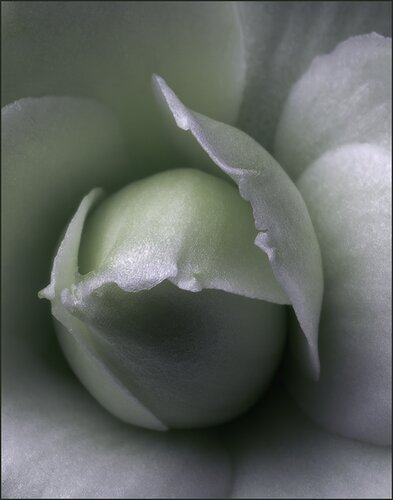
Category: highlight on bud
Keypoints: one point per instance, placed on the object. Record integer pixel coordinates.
(165, 307)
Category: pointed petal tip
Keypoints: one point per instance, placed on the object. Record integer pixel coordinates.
(176, 107)
(245, 168)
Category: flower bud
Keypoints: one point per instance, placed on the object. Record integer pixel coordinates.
(162, 301)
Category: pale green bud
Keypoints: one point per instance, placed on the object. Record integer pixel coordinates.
(166, 322)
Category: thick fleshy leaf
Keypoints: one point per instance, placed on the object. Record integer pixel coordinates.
(282, 38)
(344, 97)
(109, 50)
(285, 231)
(348, 193)
(195, 231)
(59, 443)
(278, 453)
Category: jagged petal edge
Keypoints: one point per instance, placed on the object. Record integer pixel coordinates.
(265, 185)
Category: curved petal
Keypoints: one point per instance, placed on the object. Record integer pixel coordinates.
(85, 364)
(59, 443)
(348, 193)
(182, 225)
(344, 97)
(278, 453)
(281, 40)
(285, 230)
(51, 149)
(108, 51)
(120, 344)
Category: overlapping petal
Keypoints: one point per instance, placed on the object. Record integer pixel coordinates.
(136, 342)
(285, 232)
(335, 133)
(109, 50)
(52, 147)
(282, 39)
(68, 442)
(344, 97)
(59, 443)
(348, 193)
(161, 228)
(55, 150)
(278, 453)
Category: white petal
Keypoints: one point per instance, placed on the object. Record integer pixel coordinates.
(285, 230)
(89, 367)
(56, 441)
(166, 357)
(59, 443)
(278, 453)
(109, 50)
(281, 40)
(344, 97)
(182, 225)
(348, 193)
(53, 148)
